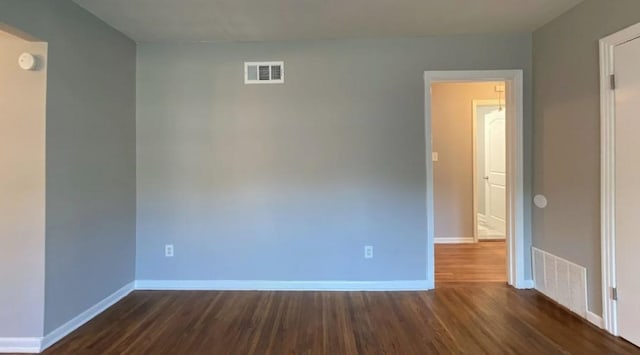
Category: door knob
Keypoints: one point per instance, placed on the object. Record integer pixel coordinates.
(486, 178)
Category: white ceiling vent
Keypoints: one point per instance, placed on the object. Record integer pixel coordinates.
(263, 72)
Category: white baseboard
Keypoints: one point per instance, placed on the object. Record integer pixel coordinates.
(85, 316)
(20, 345)
(234, 285)
(595, 319)
(491, 238)
(445, 240)
(526, 285)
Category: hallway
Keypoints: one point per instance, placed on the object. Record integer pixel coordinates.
(464, 263)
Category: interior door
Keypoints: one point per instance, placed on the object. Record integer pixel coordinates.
(627, 185)
(495, 169)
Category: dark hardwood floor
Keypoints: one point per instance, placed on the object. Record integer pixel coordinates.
(491, 319)
(464, 263)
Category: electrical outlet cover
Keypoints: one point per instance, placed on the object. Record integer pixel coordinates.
(168, 250)
(368, 252)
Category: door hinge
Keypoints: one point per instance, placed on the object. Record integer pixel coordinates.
(614, 293)
(612, 78)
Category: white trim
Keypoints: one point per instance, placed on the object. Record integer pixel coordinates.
(20, 345)
(528, 284)
(253, 285)
(595, 319)
(515, 165)
(486, 239)
(607, 171)
(85, 316)
(476, 215)
(445, 240)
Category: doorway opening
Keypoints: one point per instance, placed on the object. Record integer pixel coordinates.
(475, 202)
(469, 171)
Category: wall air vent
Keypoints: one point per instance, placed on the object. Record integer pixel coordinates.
(263, 72)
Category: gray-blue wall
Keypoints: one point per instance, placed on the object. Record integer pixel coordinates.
(567, 132)
(90, 154)
(289, 182)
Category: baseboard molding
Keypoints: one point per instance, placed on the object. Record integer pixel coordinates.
(491, 238)
(20, 345)
(595, 319)
(234, 285)
(444, 240)
(85, 316)
(527, 285)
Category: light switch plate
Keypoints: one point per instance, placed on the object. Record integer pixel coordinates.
(434, 156)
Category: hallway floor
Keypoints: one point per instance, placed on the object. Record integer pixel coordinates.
(478, 262)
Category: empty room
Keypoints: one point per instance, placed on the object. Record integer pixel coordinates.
(319, 177)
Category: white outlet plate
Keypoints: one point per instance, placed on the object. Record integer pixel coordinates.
(168, 250)
(368, 252)
(434, 156)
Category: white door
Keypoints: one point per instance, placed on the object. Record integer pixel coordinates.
(627, 188)
(495, 170)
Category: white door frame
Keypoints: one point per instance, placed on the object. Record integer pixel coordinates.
(607, 172)
(476, 104)
(515, 176)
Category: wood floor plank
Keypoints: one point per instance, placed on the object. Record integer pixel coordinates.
(473, 262)
(474, 319)
(471, 311)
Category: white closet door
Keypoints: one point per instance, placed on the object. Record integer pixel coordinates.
(495, 169)
(627, 195)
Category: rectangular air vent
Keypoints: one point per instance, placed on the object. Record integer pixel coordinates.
(561, 280)
(264, 72)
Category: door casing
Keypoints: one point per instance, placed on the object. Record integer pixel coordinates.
(607, 172)
(514, 88)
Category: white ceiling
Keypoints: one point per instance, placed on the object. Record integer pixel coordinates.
(260, 20)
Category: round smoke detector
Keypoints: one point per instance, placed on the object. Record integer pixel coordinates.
(27, 61)
(540, 201)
